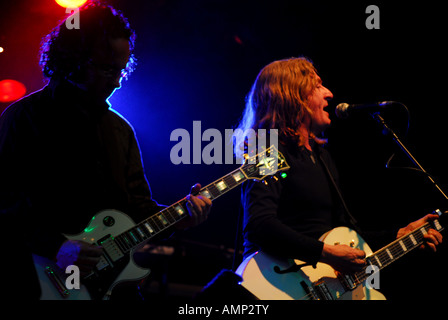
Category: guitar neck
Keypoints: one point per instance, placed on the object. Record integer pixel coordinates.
(266, 163)
(169, 216)
(399, 248)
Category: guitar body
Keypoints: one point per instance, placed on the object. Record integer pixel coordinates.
(119, 236)
(103, 226)
(262, 275)
(52, 282)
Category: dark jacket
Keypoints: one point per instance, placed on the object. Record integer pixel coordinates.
(63, 159)
(287, 217)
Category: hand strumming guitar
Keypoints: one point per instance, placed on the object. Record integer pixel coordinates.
(82, 254)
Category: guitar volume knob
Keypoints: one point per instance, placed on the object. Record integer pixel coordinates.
(109, 221)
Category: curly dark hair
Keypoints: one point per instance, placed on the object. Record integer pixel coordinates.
(64, 52)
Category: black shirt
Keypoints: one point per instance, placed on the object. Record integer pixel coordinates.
(286, 218)
(63, 159)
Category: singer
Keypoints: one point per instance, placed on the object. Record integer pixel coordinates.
(286, 218)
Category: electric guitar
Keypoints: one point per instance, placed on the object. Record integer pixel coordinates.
(119, 236)
(270, 278)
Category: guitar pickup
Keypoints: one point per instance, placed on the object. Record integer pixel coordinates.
(347, 281)
(111, 248)
(59, 285)
(112, 253)
(322, 290)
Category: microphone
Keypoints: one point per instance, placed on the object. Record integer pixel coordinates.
(343, 110)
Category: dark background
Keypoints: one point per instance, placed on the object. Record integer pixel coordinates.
(197, 60)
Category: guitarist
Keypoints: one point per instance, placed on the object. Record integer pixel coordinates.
(286, 218)
(65, 155)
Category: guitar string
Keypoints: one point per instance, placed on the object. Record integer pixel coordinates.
(230, 183)
(129, 239)
(395, 248)
(396, 251)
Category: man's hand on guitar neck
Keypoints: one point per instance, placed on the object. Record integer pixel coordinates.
(79, 253)
(432, 239)
(198, 208)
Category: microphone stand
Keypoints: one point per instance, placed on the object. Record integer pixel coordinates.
(388, 130)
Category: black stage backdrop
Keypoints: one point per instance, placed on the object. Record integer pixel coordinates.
(196, 62)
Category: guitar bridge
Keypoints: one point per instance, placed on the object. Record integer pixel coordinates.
(311, 293)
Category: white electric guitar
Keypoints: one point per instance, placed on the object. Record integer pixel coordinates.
(119, 236)
(270, 278)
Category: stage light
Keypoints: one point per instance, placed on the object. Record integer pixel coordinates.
(11, 90)
(238, 40)
(1, 49)
(70, 3)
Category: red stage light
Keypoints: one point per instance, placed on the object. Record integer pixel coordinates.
(11, 90)
(70, 3)
(238, 40)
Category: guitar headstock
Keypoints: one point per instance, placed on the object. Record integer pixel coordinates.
(266, 163)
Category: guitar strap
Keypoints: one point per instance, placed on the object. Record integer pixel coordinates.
(351, 218)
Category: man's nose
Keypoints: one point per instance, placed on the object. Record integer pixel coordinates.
(328, 94)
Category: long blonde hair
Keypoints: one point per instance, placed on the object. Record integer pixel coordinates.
(279, 100)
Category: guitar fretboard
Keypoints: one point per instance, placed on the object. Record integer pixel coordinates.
(397, 249)
(164, 219)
